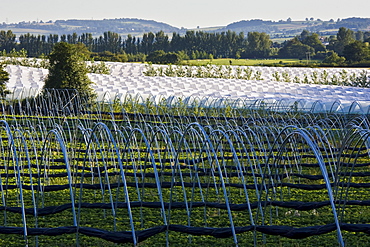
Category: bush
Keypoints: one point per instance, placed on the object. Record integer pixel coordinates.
(4, 77)
(161, 57)
(334, 59)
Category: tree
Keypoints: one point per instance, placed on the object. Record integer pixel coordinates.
(156, 57)
(4, 78)
(161, 41)
(7, 40)
(259, 45)
(146, 44)
(161, 57)
(68, 70)
(359, 36)
(112, 42)
(345, 36)
(356, 51)
(313, 41)
(304, 34)
(366, 36)
(334, 59)
(295, 49)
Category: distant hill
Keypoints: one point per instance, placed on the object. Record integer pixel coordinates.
(123, 26)
(290, 27)
(137, 27)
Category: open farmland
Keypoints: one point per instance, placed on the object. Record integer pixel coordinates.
(186, 161)
(310, 87)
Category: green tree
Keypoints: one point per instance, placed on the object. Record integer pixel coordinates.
(313, 41)
(161, 57)
(259, 45)
(68, 69)
(4, 78)
(359, 35)
(146, 44)
(334, 59)
(7, 40)
(304, 34)
(344, 37)
(161, 41)
(112, 42)
(356, 51)
(295, 49)
(156, 57)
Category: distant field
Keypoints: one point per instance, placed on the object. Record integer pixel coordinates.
(20, 31)
(245, 62)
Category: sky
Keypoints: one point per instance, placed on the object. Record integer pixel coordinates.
(183, 13)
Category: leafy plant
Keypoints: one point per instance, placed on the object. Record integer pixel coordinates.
(276, 76)
(99, 68)
(324, 77)
(343, 77)
(362, 80)
(258, 76)
(315, 78)
(4, 78)
(286, 77)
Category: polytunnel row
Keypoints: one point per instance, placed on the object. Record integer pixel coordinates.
(171, 178)
(187, 167)
(56, 102)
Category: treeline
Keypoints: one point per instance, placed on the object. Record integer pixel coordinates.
(225, 44)
(162, 48)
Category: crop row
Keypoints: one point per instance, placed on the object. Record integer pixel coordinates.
(122, 172)
(321, 76)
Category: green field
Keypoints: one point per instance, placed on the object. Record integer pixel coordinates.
(248, 62)
(191, 174)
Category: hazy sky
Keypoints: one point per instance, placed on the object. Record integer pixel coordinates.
(183, 13)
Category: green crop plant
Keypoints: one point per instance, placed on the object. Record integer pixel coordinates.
(276, 76)
(315, 78)
(286, 77)
(324, 77)
(184, 171)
